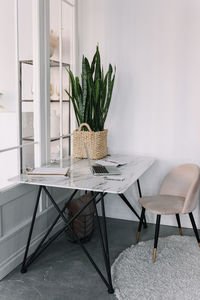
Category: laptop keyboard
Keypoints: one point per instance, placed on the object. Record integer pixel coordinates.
(100, 169)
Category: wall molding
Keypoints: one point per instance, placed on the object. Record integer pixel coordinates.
(13, 192)
(16, 258)
(12, 245)
(27, 222)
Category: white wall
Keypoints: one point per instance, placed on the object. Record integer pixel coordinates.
(155, 45)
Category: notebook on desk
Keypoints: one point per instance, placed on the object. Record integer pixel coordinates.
(49, 172)
(98, 170)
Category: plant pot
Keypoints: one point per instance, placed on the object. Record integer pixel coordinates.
(96, 143)
(83, 225)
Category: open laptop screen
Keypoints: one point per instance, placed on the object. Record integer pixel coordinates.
(88, 157)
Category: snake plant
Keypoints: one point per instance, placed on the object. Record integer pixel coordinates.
(91, 94)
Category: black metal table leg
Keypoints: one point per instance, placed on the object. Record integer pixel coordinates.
(104, 244)
(100, 234)
(140, 194)
(23, 268)
(42, 246)
(90, 258)
(129, 205)
(109, 285)
(58, 233)
(110, 290)
(32, 257)
(122, 196)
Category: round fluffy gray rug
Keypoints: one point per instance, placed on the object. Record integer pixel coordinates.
(174, 276)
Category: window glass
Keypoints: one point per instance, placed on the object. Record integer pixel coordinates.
(26, 85)
(61, 16)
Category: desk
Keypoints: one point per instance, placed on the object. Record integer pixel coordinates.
(82, 179)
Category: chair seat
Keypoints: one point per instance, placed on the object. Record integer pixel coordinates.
(163, 204)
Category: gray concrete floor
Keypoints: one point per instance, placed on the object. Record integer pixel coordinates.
(64, 273)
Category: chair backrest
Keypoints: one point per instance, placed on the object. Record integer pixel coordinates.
(183, 181)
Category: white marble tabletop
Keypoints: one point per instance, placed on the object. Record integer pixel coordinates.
(81, 177)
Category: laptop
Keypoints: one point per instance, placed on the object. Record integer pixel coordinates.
(98, 170)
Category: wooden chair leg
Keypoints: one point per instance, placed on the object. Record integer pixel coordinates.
(179, 224)
(194, 227)
(156, 237)
(140, 224)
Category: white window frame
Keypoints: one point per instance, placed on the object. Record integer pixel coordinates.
(40, 70)
(41, 78)
(72, 67)
(19, 146)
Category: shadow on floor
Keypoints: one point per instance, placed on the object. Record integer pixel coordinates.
(63, 272)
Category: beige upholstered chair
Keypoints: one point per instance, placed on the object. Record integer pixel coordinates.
(178, 195)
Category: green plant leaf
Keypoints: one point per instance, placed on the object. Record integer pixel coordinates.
(111, 81)
(76, 110)
(93, 63)
(92, 96)
(72, 81)
(84, 88)
(104, 91)
(97, 74)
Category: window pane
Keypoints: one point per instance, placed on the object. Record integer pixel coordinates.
(8, 129)
(8, 88)
(25, 29)
(65, 147)
(55, 26)
(55, 150)
(26, 81)
(27, 156)
(9, 167)
(27, 121)
(66, 118)
(8, 78)
(55, 120)
(67, 31)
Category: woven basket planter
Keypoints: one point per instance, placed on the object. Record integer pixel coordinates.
(96, 143)
(83, 225)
